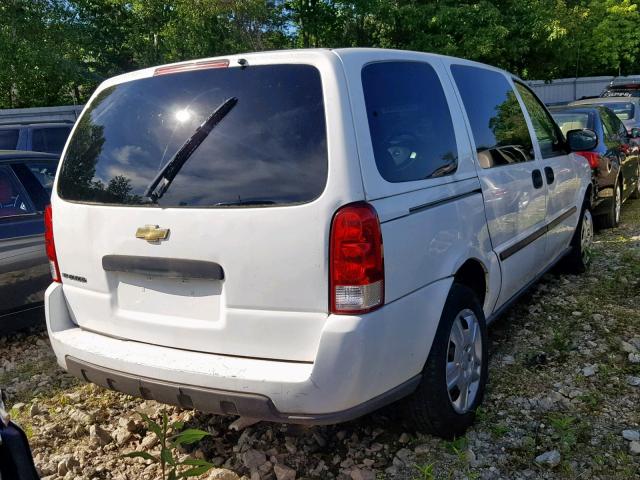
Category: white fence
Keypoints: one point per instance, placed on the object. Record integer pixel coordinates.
(563, 90)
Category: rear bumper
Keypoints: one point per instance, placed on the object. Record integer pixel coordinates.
(225, 402)
(362, 364)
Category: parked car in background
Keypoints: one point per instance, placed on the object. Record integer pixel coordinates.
(219, 228)
(626, 109)
(615, 161)
(622, 88)
(26, 179)
(46, 137)
(41, 129)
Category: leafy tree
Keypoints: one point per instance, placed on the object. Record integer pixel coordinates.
(57, 51)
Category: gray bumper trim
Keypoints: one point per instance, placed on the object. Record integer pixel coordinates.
(224, 402)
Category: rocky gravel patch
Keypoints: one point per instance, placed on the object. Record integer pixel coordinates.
(563, 402)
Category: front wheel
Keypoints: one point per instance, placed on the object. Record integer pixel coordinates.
(579, 258)
(455, 374)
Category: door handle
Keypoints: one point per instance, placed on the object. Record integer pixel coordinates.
(548, 172)
(536, 176)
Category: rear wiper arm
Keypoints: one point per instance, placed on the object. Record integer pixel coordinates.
(163, 179)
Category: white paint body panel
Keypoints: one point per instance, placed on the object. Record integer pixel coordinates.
(266, 328)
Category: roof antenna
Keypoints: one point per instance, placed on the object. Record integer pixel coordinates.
(243, 62)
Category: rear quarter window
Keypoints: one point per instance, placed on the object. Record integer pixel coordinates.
(49, 140)
(9, 138)
(270, 149)
(409, 120)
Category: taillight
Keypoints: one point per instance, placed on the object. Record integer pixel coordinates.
(186, 67)
(356, 260)
(592, 157)
(50, 245)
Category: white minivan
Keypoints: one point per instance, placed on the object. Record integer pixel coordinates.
(305, 236)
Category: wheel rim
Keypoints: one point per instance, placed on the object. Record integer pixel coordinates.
(464, 361)
(618, 204)
(586, 237)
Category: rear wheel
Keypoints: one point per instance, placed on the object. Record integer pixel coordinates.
(455, 375)
(612, 217)
(636, 190)
(579, 259)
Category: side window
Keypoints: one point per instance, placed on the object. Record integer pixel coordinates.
(618, 126)
(49, 140)
(37, 179)
(498, 125)
(44, 172)
(409, 121)
(550, 141)
(9, 139)
(13, 201)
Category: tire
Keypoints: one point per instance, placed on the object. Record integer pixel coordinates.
(612, 217)
(433, 407)
(636, 190)
(579, 258)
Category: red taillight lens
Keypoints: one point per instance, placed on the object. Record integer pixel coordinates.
(592, 157)
(185, 67)
(50, 245)
(356, 260)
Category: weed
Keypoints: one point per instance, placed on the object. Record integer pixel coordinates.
(425, 471)
(173, 469)
(456, 445)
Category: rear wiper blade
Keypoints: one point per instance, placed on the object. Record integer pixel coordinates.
(163, 179)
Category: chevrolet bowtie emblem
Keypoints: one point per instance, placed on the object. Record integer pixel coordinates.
(152, 233)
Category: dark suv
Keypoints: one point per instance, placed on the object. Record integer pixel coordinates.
(40, 137)
(26, 179)
(615, 160)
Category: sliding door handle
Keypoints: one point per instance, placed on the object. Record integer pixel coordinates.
(548, 172)
(536, 176)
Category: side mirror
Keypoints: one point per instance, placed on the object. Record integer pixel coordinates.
(635, 132)
(582, 140)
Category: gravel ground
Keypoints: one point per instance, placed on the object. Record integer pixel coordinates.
(563, 401)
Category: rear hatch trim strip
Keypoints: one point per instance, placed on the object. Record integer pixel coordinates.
(163, 267)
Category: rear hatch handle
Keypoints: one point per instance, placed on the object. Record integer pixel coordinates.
(163, 267)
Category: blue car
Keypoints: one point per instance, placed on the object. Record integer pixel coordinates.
(26, 179)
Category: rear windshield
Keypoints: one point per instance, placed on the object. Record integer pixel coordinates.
(269, 149)
(621, 92)
(571, 121)
(624, 111)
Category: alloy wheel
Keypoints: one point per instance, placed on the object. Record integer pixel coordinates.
(464, 361)
(618, 204)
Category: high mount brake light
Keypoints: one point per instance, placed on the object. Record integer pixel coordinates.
(186, 67)
(356, 260)
(50, 245)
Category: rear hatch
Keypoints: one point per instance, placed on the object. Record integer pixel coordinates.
(226, 251)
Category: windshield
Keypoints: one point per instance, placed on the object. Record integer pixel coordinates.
(269, 150)
(571, 121)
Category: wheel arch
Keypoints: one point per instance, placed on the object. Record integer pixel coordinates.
(474, 275)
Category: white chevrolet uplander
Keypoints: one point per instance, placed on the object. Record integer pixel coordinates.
(306, 236)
